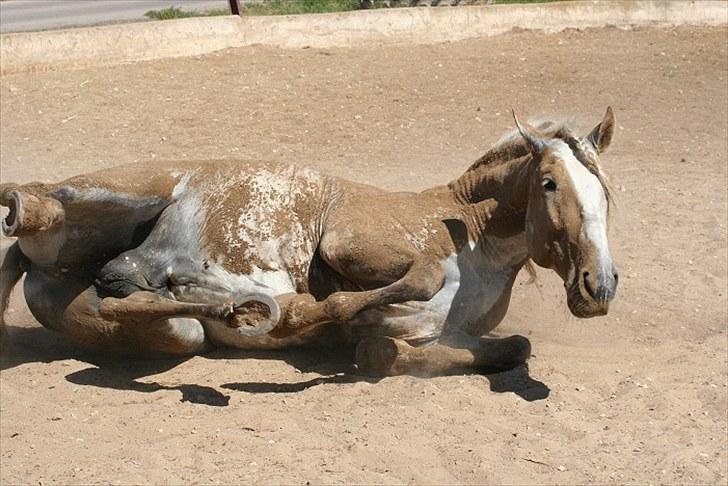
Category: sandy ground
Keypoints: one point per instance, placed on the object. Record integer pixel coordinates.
(638, 396)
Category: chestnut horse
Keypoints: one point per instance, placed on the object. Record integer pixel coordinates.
(180, 257)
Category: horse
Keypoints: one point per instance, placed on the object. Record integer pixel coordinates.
(178, 258)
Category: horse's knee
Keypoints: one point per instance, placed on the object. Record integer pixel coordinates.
(377, 356)
(343, 306)
(423, 281)
(384, 356)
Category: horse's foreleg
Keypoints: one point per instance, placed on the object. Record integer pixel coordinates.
(384, 356)
(10, 272)
(421, 282)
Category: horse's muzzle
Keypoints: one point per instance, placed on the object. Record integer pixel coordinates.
(590, 295)
(602, 287)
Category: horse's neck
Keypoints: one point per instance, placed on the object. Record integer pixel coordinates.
(506, 182)
(507, 252)
(494, 198)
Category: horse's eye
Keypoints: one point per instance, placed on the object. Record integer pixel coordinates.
(548, 184)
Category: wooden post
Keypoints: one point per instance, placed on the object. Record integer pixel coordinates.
(235, 7)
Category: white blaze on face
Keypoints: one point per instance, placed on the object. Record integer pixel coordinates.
(592, 200)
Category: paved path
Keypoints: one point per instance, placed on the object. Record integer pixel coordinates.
(30, 15)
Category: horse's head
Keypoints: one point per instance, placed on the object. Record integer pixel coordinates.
(566, 217)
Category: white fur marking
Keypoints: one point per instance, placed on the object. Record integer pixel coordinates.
(592, 200)
(181, 186)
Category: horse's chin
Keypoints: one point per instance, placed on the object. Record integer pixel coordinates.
(587, 309)
(584, 307)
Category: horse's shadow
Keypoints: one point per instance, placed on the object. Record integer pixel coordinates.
(515, 380)
(36, 344)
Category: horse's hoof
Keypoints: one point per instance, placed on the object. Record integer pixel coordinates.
(521, 348)
(29, 214)
(511, 351)
(255, 315)
(376, 356)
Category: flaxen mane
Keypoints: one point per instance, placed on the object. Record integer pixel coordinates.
(512, 146)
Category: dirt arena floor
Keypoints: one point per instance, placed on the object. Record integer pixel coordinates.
(638, 396)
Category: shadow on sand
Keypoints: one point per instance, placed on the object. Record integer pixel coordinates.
(515, 380)
(39, 345)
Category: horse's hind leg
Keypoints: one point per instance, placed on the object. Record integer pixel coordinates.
(10, 272)
(29, 214)
(384, 356)
(253, 315)
(70, 304)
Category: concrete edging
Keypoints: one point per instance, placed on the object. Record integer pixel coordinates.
(123, 43)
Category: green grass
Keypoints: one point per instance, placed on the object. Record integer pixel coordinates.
(177, 13)
(527, 1)
(267, 7)
(292, 7)
(287, 7)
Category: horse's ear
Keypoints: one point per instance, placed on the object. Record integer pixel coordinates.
(530, 135)
(601, 136)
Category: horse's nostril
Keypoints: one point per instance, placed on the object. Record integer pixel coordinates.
(616, 278)
(588, 286)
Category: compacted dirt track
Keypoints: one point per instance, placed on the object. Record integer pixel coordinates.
(638, 396)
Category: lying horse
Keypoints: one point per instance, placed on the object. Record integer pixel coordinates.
(178, 258)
